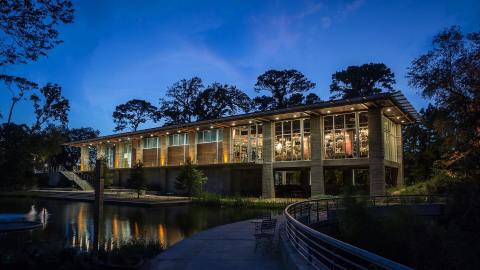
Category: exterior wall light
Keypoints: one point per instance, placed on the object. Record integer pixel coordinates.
(389, 110)
(329, 111)
(277, 118)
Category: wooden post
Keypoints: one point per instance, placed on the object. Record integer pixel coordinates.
(98, 211)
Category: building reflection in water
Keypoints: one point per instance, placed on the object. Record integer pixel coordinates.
(119, 227)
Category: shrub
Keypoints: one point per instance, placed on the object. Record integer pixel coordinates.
(190, 179)
(137, 179)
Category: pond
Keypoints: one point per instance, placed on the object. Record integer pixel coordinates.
(71, 224)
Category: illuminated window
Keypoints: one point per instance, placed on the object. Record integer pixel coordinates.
(247, 143)
(126, 158)
(178, 139)
(390, 139)
(346, 135)
(150, 143)
(209, 136)
(292, 140)
(109, 154)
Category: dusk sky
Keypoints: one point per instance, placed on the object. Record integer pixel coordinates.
(119, 50)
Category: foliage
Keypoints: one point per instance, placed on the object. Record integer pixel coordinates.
(188, 100)
(448, 74)
(55, 107)
(18, 88)
(133, 113)
(217, 200)
(312, 98)
(179, 104)
(43, 255)
(218, 100)
(29, 28)
(361, 81)
(190, 179)
(16, 162)
(286, 88)
(407, 238)
(137, 179)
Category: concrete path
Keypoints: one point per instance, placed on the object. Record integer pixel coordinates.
(229, 247)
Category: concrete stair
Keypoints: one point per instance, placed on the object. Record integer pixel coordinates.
(82, 184)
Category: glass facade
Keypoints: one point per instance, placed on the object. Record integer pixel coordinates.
(126, 157)
(247, 143)
(209, 136)
(346, 135)
(178, 139)
(109, 154)
(292, 140)
(390, 139)
(151, 143)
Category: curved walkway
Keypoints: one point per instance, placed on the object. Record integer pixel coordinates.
(230, 246)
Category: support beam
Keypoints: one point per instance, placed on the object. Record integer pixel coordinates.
(376, 152)
(399, 139)
(316, 146)
(268, 188)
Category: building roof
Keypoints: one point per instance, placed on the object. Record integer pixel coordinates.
(393, 99)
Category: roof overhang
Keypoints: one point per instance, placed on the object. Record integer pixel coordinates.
(400, 109)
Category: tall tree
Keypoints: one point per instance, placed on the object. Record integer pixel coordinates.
(360, 81)
(133, 113)
(449, 75)
(18, 87)
(312, 98)
(286, 88)
(53, 107)
(180, 101)
(29, 29)
(219, 100)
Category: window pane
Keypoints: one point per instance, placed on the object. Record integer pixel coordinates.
(278, 128)
(363, 119)
(328, 122)
(306, 125)
(199, 136)
(287, 127)
(350, 120)
(220, 135)
(339, 121)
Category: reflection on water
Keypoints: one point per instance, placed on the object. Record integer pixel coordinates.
(71, 224)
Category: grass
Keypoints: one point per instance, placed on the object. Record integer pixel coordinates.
(210, 199)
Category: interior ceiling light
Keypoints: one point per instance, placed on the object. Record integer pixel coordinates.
(277, 118)
(198, 128)
(329, 111)
(352, 108)
(389, 110)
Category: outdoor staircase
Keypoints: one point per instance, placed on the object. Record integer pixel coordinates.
(82, 184)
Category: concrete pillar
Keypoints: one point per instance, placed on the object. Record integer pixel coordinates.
(84, 166)
(268, 187)
(163, 150)
(138, 145)
(226, 145)
(316, 147)
(376, 152)
(192, 147)
(400, 179)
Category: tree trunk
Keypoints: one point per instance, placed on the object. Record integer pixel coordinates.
(11, 110)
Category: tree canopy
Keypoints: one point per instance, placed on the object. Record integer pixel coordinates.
(53, 107)
(179, 104)
(360, 81)
(133, 113)
(286, 88)
(188, 100)
(449, 75)
(218, 100)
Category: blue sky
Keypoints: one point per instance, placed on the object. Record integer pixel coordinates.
(119, 50)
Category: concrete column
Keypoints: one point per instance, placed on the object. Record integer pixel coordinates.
(226, 145)
(138, 145)
(192, 148)
(163, 150)
(268, 187)
(84, 166)
(400, 179)
(376, 152)
(316, 147)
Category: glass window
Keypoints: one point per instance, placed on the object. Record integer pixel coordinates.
(178, 139)
(247, 143)
(291, 140)
(390, 138)
(109, 156)
(346, 135)
(209, 136)
(126, 155)
(149, 143)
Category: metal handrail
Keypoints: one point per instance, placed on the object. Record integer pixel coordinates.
(325, 252)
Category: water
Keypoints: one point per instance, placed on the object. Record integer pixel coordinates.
(70, 224)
